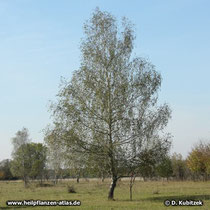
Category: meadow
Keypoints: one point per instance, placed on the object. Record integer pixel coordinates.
(147, 195)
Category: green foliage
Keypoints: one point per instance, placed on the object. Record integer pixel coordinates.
(108, 111)
(5, 172)
(179, 166)
(198, 160)
(164, 169)
(151, 157)
(147, 164)
(19, 164)
(38, 159)
(29, 161)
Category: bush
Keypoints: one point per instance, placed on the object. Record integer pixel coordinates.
(71, 189)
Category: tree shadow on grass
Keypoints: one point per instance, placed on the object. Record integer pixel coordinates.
(178, 197)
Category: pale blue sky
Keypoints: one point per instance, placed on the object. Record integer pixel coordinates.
(39, 43)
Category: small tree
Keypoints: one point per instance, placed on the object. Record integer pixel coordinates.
(150, 156)
(38, 160)
(19, 155)
(29, 161)
(164, 168)
(179, 166)
(198, 160)
(5, 172)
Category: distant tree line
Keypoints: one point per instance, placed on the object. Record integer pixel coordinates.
(35, 161)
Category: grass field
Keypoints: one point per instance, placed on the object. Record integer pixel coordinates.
(93, 194)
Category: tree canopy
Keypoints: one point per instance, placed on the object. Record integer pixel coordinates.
(109, 110)
(29, 158)
(198, 159)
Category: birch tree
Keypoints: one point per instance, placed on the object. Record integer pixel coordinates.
(19, 155)
(109, 107)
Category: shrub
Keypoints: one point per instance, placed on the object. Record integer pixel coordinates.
(71, 189)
